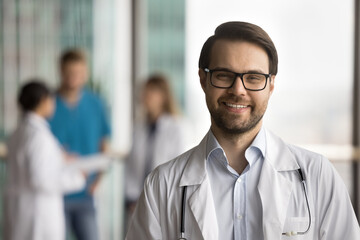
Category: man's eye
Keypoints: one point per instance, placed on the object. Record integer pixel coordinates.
(224, 75)
(254, 77)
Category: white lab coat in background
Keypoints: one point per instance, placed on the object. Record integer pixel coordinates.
(37, 177)
(169, 142)
(158, 212)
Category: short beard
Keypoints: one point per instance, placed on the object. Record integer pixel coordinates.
(223, 123)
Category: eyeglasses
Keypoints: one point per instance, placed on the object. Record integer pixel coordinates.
(226, 79)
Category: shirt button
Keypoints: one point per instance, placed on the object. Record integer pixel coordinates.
(239, 216)
(239, 180)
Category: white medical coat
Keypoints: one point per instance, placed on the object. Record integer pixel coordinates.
(36, 180)
(168, 144)
(158, 212)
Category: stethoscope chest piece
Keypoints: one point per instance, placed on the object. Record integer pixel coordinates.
(182, 236)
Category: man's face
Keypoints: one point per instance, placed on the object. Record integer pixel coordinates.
(237, 110)
(74, 75)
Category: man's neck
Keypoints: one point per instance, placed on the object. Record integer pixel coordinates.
(71, 96)
(235, 145)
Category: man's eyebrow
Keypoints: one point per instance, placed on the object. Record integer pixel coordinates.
(256, 71)
(230, 70)
(222, 69)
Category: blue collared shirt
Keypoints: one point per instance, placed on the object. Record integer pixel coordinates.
(236, 198)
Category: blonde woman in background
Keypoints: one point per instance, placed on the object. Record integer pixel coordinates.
(158, 138)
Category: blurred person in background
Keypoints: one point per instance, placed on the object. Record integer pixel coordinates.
(80, 123)
(37, 175)
(158, 138)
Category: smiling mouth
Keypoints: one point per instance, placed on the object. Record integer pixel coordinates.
(236, 106)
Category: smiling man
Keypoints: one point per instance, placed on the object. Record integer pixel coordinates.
(241, 181)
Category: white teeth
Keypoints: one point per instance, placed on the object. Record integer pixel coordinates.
(235, 105)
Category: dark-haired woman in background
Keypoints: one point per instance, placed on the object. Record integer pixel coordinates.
(37, 174)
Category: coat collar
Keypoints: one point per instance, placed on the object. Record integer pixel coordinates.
(278, 156)
(195, 169)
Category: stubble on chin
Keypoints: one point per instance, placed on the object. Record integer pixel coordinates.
(228, 124)
(231, 124)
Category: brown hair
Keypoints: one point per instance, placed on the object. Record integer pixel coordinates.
(241, 31)
(72, 55)
(161, 83)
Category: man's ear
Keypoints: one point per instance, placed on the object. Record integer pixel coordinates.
(272, 83)
(202, 76)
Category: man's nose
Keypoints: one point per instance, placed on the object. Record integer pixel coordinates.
(238, 87)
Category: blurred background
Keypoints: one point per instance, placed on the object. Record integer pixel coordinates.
(316, 100)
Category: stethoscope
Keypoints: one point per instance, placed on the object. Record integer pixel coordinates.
(183, 206)
(289, 234)
(293, 233)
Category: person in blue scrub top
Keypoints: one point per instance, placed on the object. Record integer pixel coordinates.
(80, 124)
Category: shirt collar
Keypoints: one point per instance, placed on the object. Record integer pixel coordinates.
(212, 144)
(252, 153)
(256, 148)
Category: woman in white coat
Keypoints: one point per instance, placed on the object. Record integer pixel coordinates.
(156, 140)
(36, 173)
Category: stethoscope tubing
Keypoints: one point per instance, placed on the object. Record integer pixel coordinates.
(183, 208)
(308, 208)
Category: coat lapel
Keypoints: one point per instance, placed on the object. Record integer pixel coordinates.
(202, 206)
(275, 190)
(200, 200)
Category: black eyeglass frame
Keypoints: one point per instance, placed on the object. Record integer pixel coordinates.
(237, 75)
